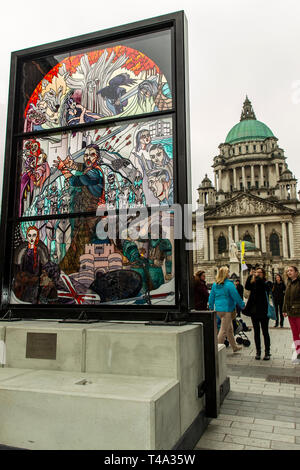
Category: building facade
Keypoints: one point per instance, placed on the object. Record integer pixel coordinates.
(253, 198)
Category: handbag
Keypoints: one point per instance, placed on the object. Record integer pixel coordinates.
(247, 311)
(271, 309)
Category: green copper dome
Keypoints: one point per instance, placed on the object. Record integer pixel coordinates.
(248, 129)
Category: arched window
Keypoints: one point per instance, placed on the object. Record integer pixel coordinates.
(81, 88)
(247, 237)
(274, 244)
(222, 244)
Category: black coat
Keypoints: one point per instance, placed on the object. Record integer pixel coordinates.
(257, 305)
(240, 290)
(278, 292)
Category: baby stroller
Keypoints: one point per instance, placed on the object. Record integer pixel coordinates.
(239, 328)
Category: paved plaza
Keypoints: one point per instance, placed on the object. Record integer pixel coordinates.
(262, 409)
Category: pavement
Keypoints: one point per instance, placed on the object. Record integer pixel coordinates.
(262, 409)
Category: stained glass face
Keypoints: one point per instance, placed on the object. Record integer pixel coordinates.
(69, 261)
(129, 165)
(99, 83)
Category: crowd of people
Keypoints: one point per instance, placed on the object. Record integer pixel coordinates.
(265, 300)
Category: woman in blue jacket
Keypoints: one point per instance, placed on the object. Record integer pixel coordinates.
(223, 298)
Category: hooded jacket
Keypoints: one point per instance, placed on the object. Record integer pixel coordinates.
(291, 304)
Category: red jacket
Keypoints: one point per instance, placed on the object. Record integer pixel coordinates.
(201, 295)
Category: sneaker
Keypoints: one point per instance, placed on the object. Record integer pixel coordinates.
(267, 357)
(295, 361)
(298, 356)
(257, 357)
(237, 348)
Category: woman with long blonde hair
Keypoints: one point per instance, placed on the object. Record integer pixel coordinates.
(223, 298)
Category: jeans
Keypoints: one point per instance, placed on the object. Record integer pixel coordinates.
(295, 327)
(262, 323)
(278, 309)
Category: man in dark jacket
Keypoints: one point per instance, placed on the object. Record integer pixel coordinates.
(201, 291)
(278, 292)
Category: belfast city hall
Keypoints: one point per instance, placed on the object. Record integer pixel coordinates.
(253, 198)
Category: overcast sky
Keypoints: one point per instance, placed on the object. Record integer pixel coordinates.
(236, 47)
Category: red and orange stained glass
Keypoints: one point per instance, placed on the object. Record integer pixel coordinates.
(100, 84)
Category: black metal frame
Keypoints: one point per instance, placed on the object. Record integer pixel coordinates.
(177, 24)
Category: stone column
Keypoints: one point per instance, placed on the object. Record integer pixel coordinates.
(209, 199)
(282, 195)
(244, 178)
(236, 233)
(211, 244)
(220, 180)
(284, 192)
(234, 179)
(269, 181)
(277, 171)
(263, 238)
(206, 244)
(256, 234)
(291, 240)
(284, 240)
(230, 238)
(215, 174)
(200, 198)
(261, 176)
(252, 176)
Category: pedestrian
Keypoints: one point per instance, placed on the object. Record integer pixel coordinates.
(257, 309)
(278, 292)
(223, 298)
(201, 291)
(240, 290)
(291, 306)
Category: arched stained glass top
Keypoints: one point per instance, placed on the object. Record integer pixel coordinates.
(95, 85)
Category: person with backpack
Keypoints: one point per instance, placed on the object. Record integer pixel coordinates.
(257, 309)
(223, 298)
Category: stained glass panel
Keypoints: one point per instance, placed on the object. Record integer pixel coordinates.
(69, 261)
(123, 166)
(84, 86)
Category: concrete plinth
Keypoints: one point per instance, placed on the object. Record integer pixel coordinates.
(222, 363)
(224, 382)
(174, 352)
(109, 386)
(69, 350)
(65, 410)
